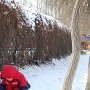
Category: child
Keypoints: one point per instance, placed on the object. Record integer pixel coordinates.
(12, 79)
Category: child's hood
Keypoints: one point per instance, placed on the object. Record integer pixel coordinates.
(9, 71)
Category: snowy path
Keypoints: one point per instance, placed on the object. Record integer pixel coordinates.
(50, 77)
(81, 73)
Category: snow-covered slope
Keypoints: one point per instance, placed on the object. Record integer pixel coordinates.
(51, 76)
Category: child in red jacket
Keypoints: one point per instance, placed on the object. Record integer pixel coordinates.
(12, 79)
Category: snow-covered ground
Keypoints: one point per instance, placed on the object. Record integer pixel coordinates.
(51, 76)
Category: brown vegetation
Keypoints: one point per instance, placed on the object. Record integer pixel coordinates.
(20, 45)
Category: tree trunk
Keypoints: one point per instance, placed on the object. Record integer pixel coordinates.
(75, 48)
(88, 79)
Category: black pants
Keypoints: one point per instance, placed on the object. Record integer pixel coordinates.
(1, 87)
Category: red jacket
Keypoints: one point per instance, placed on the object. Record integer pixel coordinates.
(8, 71)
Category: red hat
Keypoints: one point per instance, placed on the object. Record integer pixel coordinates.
(9, 71)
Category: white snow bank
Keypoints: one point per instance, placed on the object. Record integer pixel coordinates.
(51, 76)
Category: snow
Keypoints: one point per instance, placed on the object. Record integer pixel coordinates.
(29, 9)
(51, 76)
(81, 73)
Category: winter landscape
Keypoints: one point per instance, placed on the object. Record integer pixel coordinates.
(42, 39)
